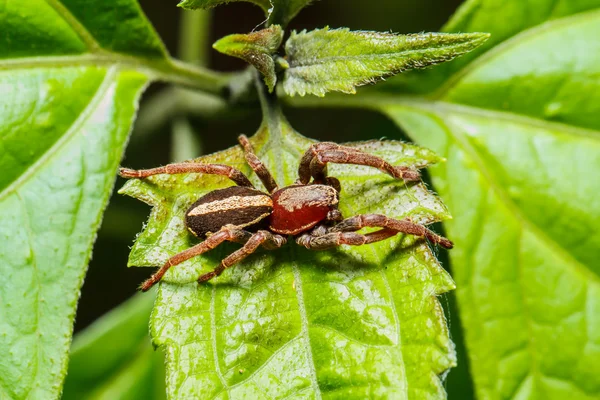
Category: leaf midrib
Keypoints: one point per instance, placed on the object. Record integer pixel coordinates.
(314, 62)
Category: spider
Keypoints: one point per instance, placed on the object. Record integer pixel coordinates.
(307, 211)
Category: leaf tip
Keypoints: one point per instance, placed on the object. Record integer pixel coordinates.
(475, 39)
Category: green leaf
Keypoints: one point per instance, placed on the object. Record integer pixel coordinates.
(355, 322)
(256, 48)
(339, 59)
(113, 358)
(503, 19)
(521, 133)
(277, 11)
(70, 75)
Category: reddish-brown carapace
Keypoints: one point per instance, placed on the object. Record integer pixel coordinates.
(307, 211)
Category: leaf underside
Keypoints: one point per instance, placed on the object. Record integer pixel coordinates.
(326, 59)
(256, 48)
(353, 322)
(520, 129)
(66, 111)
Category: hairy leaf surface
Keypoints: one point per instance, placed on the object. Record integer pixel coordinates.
(292, 323)
(521, 133)
(70, 76)
(113, 358)
(326, 59)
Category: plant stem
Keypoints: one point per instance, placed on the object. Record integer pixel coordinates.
(185, 74)
(193, 48)
(193, 37)
(271, 109)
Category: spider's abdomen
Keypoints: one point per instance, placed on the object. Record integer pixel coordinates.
(240, 206)
(298, 208)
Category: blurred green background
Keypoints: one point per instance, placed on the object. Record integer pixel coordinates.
(109, 282)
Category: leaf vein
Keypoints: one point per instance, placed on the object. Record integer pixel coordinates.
(69, 134)
(78, 28)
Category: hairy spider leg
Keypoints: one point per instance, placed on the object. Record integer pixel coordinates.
(257, 166)
(399, 225)
(314, 162)
(225, 234)
(329, 240)
(190, 167)
(264, 238)
(344, 232)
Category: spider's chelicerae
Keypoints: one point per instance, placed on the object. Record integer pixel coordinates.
(307, 211)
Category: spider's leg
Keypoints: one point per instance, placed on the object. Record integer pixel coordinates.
(397, 225)
(189, 167)
(264, 238)
(226, 234)
(257, 166)
(335, 239)
(314, 162)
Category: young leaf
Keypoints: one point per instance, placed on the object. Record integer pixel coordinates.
(356, 322)
(277, 11)
(70, 78)
(521, 133)
(113, 358)
(339, 59)
(256, 48)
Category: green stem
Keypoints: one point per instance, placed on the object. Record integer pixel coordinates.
(194, 36)
(193, 48)
(185, 74)
(271, 109)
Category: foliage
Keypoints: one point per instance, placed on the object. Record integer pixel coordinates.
(517, 120)
(339, 59)
(519, 126)
(70, 84)
(336, 314)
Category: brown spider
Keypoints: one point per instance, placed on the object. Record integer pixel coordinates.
(307, 211)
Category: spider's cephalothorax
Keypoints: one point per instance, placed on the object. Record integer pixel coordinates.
(306, 210)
